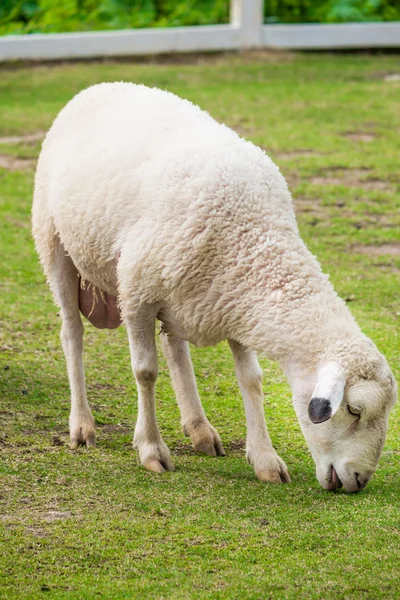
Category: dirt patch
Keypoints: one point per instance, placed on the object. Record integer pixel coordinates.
(354, 178)
(313, 212)
(55, 515)
(392, 249)
(390, 77)
(15, 163)
(243, 129)
(17, 223)
(57, 441)
(236, 446)
(308, 206)
(29, 138)
(293, 179)
(106, 386)
(359, 136)
(101, 386)
(181, 449)
(292, 154)
(376, 220)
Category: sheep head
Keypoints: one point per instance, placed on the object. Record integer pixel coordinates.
(343, 409)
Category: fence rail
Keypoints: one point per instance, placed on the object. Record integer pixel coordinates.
(246, 30)
(325, 36)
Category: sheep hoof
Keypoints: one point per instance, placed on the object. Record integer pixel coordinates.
(154, 465)
(206, 448)
(273, 476)
(91, 441)
(268, 466)
(157, 466)
(205, 440)
(154, 457)
(82, 436)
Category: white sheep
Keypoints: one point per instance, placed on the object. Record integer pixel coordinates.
(141, 196)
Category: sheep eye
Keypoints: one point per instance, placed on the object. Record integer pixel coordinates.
(355, 412)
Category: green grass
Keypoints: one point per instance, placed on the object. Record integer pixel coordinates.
(95, 524)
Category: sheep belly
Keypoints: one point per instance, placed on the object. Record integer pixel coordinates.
(99, 308)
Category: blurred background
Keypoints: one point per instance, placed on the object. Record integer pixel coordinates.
(45, 16)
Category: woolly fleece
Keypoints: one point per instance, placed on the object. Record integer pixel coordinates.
(196, 218)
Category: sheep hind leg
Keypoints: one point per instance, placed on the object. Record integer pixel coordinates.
(259, 450)
(205, 438)
(154, 454)
(64, 282)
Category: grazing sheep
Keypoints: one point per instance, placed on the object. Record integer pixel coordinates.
(141, 196)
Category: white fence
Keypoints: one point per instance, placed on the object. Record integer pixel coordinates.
(246, 30)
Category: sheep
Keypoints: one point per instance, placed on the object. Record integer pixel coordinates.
(145, 208)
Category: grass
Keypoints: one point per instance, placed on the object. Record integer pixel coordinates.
(95, 524)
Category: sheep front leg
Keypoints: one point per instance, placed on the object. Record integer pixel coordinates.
(154, 454)
(259, 450)
(205, 438)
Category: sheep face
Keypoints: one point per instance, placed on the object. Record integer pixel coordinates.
(345, 422)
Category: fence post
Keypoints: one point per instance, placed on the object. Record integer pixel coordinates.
(247, 16)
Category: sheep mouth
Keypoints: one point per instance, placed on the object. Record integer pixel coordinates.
(335, 479)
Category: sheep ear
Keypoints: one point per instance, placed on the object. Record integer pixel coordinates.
(328, 393)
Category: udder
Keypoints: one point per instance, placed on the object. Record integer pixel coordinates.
(100, 308)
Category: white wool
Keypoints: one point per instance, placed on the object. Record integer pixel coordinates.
(202, 220)
(158, 204)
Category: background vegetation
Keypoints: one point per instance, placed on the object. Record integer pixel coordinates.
(33, 16)
(94, 524)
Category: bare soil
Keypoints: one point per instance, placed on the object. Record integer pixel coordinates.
(294, 154)
(351, 178)
(359, 136)
(15, 163)
(390, 249)
(29, 138)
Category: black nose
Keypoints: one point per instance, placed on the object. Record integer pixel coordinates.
(319, 410)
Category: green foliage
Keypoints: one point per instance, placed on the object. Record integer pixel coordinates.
(45, 16)
(330, 11)
(33, 16)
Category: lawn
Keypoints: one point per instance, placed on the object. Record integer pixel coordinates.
(91, 524)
